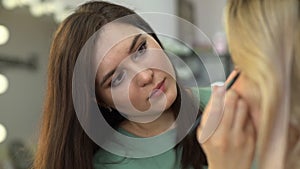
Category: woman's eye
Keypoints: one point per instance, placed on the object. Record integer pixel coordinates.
(141, 50)
(117, 80)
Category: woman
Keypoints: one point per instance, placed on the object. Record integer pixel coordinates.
(264, 39)
(63, 143)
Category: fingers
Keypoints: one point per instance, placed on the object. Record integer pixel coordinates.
(222, 116)
(230, 143)
(229, 111)
(249, 132)
(212, 114)
(218, 97)
(250, 129)
(241, 116)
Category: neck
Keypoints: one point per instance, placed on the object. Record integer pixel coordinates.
(153, 128)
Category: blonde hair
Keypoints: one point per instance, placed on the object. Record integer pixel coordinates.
(264, 42)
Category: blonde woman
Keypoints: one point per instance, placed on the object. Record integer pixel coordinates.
(264, 41)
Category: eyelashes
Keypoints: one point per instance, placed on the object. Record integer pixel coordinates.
(119, 76)
(116, 81)
(140, 51)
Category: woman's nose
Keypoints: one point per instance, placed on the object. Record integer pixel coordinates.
(144, 77)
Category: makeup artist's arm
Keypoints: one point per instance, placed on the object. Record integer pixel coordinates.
(232, 144)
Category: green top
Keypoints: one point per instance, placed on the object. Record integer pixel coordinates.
(167, 160)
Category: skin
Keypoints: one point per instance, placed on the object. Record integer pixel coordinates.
(246, 90)
(232, 144)
(131, 88)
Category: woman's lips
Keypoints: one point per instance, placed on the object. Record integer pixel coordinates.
(159, 89)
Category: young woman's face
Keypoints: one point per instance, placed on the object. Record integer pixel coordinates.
(134, 75)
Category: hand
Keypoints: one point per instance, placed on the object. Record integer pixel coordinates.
(231, 143)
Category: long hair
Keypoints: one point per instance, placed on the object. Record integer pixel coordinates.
(63, 143)
(264, 42)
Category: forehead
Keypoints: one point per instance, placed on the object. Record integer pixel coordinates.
(113, 43)
(112, 34)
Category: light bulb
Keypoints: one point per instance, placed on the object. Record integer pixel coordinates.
(9, 4)
(3, 133)
(4, 35)
(3, 84)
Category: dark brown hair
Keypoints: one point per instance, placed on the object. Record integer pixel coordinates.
(63, 144)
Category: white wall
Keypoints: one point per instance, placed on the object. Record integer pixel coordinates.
(209, 16)
(141, 6)
(163, 6)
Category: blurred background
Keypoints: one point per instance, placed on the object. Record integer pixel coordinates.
(26, 29)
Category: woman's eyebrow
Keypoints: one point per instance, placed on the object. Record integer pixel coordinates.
(135, 39)
(107, 76)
